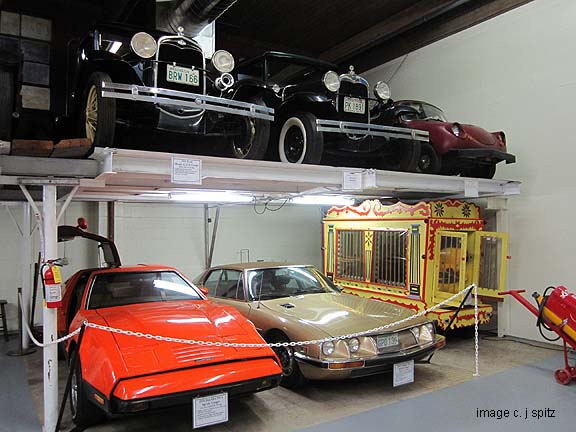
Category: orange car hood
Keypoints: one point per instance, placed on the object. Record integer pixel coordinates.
(199, 320)
(339, 314)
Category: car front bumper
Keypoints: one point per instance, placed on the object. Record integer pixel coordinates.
(177, 387)
(163, 96)
(479, 154)
(316, 369)
(354, 129)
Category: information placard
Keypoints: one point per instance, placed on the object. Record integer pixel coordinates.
(351, 180)
(403, 373)
(209, 410)
(186, 170)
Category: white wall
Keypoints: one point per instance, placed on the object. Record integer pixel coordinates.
(174, 235)
(79, 256)
(517, 73)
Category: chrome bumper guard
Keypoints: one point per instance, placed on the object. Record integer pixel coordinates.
(188, 100)
(352, 128)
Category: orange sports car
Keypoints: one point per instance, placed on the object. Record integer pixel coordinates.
(119, 373)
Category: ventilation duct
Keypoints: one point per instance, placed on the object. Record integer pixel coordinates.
(192, 15)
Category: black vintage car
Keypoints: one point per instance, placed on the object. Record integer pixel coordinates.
(123, 76)
(320, 114)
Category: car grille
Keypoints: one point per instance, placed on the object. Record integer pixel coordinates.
(197, 353)
(357, 90)
(170, 52)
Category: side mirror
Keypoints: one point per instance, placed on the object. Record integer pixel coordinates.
(204, 290)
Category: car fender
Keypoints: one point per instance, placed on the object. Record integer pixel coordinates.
(244, 89)
(319, 105)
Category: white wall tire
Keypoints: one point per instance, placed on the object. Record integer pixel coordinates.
(299, 141)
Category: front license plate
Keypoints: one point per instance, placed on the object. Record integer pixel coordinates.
(354, 105)
(403, 373)
(209, 410)
(180, 75)
(386, 341)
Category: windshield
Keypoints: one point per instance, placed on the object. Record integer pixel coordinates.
(424, 111)
(265, 284)
(124, 288)
(284, 72)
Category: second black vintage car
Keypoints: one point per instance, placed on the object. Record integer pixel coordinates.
(122, 76)
(320, 114)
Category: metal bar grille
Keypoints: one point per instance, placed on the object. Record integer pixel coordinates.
(350, 264)
(389, 257)
(490, 259)
(450, 263)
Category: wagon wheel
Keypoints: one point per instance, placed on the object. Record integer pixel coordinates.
(98, 114)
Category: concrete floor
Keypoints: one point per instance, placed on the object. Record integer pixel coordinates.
(285, 410)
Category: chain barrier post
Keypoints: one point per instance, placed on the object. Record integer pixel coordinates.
(476, 355)
(73, 366)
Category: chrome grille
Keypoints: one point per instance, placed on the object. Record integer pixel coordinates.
(182, 52)
(352, 89)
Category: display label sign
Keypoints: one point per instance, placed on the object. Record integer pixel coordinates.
(403, 373)
(185, 170)
(352, 180)
(209, 410)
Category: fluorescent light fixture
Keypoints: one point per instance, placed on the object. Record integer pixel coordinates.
(210, 196)
(115, 47)
(333, 200)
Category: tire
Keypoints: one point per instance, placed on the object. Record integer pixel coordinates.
(97, 113)
(429, 161)
(480, 171)
(84, 412)
(7, 105)
(253, 142)
(299, 141)
(402, 155)
(291, 375)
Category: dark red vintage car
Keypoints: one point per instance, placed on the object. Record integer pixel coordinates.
(454, 148)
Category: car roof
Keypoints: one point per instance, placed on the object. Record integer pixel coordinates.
(259, 265)
(417, 102)
(289, 56)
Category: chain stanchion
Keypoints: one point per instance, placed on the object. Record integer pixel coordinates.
(20, 351)
(476, 353)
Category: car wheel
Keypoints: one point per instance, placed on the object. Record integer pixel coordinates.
(252, 142)
(299, 141)
(291, 375)
(429, 161)
(98, 114)
(480, 171)
(84, 412)
(7, 105)
(402, 156)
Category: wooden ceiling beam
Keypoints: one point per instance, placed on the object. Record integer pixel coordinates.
(457, 20)
(406, 19)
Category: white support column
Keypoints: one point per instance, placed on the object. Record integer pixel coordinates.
(25, 269)
(50, 317)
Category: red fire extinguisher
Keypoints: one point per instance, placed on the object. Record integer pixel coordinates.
(52, 286)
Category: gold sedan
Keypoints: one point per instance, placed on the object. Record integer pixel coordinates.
(298, 303)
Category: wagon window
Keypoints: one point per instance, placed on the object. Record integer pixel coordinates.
(490, 260)
(389, 258)
(350, 260)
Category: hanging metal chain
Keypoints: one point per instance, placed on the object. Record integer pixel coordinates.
(476, 354)
(259, 345)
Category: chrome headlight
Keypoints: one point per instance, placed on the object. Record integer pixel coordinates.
(382, 91)
(223, 61)
(423, 334)
(328, 348)
(354, 345)
(144, 45)
(331, 81)
(457, 130)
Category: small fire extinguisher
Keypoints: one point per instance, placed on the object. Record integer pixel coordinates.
(52, 286)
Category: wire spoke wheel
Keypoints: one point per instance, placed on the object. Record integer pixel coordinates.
(91, 113)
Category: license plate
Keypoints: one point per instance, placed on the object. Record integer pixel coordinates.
(386, 341)
(354, 105)
(180, 75)
(209, 410)
(403, 373)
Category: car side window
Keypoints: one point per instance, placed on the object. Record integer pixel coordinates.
(211, 282)
(229, 284)
(76, 297)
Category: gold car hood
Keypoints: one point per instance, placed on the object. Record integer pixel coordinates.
(338, 314)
